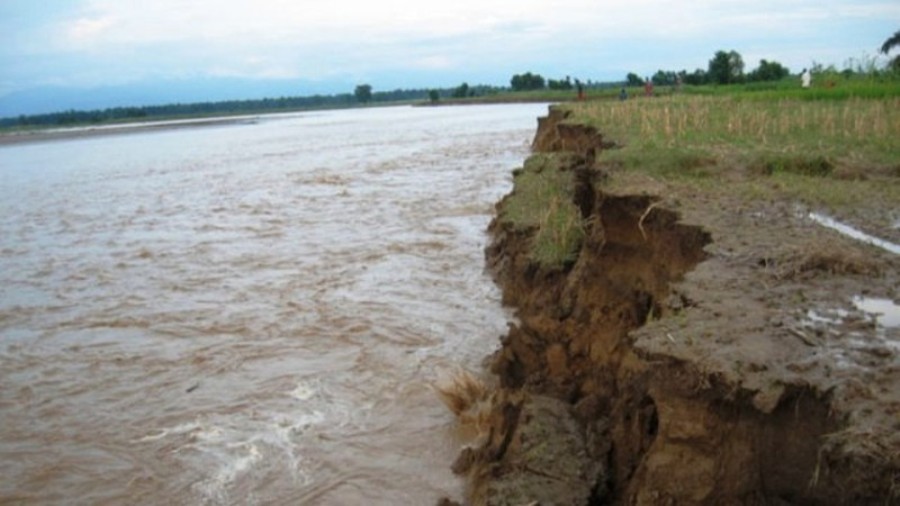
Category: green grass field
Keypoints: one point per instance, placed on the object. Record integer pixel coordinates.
(681, 133)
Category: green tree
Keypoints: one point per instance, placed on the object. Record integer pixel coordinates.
(633, 79)
(664, 78)
(461, 91)
(768, 71)
(434, 96)
(726, 68)
(562, 84)
(892, 42)
(527, 81)
(363, 93)
(696, 78)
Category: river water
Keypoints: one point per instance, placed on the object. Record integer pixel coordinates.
(248, 313)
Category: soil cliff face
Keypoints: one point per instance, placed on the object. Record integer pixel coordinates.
(610, 393)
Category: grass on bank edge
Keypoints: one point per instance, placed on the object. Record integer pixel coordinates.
(542, 202)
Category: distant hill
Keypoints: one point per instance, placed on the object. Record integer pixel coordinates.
(50, 99)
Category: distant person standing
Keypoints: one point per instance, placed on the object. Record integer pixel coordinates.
(623, 95)
(805, 78)
(580, 89)
(648, 87)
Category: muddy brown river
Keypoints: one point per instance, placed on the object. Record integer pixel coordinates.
(247, 313)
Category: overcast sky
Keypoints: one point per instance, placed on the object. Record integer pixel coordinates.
(418, 43)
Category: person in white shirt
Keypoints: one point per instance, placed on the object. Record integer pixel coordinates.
(805, 78)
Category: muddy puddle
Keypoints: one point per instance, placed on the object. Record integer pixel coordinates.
(885, 311)
(247, 313)
(849, 231)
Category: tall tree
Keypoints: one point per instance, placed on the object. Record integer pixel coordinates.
(768, 71)
(461, 91)
(561, 84)
(363, 93)
(697, 77)
(527, 81)
(726, 68)
(633, 79)
(892, 42)
(664, 77)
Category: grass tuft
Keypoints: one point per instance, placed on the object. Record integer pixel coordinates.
(804, 165)
(542, 202)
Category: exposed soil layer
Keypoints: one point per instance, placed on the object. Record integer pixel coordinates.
(702, 351)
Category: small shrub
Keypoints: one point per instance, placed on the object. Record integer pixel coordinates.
(810, 165)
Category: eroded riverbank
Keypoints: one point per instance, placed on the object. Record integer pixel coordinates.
(700, 349)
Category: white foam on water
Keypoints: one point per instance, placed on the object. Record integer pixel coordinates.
(241, 464)
(209, 434)
(287, 428)
(182, 428)
(234, 465)
(303, 392)
(287, 432)
(280, 435)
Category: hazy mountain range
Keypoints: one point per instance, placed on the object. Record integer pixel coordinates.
(49, 99)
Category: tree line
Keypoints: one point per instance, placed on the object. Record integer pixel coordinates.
(112, 114)
(725, 67)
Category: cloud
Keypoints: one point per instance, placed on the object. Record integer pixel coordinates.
(89, 29)
(435, 62)
(286, 22)
(207, 20)
(122, 40)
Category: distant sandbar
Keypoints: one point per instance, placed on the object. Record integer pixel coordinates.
(54, 134)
